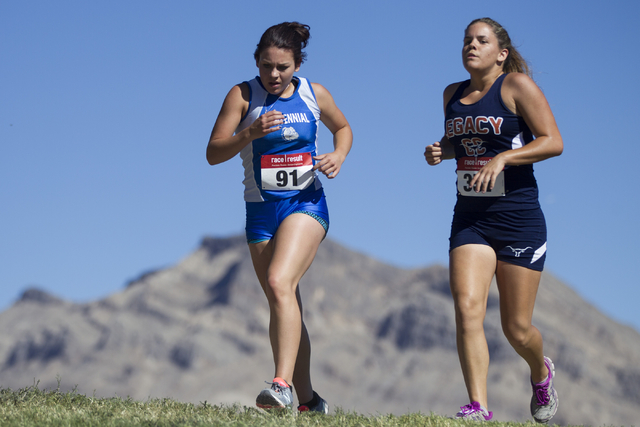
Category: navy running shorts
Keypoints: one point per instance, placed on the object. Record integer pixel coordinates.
(264, 218)
(517, 237)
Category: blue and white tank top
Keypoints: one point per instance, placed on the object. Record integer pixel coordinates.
(280, 164)
(478, 133)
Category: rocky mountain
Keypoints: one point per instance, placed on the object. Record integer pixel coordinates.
(383, 340)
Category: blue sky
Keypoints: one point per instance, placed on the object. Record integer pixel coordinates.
(106, 108)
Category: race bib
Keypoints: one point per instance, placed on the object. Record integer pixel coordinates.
(282, 172)
(468, 167)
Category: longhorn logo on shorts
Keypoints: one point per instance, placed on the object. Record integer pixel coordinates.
(289, 134)
(519, 252)
(473, 146)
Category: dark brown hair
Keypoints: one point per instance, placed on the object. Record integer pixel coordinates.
(514, 63)
(293, 36)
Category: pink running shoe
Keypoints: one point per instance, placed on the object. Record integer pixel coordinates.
(474, 411)
(544, 402)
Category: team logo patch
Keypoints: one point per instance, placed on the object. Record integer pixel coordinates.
(289, 134)
(518, 251)
(473, 146)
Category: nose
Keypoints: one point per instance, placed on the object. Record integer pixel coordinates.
(275, 73)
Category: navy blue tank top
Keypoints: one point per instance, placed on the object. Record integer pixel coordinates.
(478, 132)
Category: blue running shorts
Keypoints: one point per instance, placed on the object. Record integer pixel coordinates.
(517, 237)
(264, 218)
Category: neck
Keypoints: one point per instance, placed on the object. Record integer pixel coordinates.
(485, 80)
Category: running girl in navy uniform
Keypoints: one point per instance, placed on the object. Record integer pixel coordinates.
(272, 121)
(497, 124)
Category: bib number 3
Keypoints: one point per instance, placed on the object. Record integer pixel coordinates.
(468, 167)
(285, 172)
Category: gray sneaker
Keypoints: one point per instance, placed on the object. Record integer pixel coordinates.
(321, 405)
(544, 402)
(474, 411)
(278, 396)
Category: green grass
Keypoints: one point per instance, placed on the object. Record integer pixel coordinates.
(31, 406)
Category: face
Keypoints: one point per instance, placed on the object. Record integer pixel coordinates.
(480, 50)
(276, 69)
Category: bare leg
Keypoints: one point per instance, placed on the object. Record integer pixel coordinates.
(302, 374)
(280, 264)
(518, 288)
(471, 269)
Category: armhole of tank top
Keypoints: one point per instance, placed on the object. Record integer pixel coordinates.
(311, 89)
(458, 93)
(499, 95)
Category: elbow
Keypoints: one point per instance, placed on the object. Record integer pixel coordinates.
(210, 158)
(213, 155)
(558, 147)
(553, 146)
(213, 160)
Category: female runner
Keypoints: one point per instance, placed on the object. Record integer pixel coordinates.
(272, 121)
(497, 124)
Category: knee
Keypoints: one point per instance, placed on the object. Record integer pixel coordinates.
(517, 333)
(470, 312)
(280, 290)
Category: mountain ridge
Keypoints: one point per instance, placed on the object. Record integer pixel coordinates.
(383, 339)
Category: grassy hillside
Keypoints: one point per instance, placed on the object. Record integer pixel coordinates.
(31, 406)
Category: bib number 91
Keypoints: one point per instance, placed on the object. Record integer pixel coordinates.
(286, 172)
(282, 178)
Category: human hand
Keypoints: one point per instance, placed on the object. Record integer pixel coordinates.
(265, 124)
(433, 153)
(485, 179)
(329, 164)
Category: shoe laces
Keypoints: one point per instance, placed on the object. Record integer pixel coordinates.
(542, 393)
(277, 387)
(541, 390)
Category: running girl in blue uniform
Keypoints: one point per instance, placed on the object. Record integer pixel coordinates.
(497, 124)
(272, 121)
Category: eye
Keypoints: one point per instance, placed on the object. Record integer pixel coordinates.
(282, 68)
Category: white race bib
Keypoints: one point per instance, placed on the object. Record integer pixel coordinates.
(468, 167)
(281, 172)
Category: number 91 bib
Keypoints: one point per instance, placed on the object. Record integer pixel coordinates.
(468, 167)
(282, 172)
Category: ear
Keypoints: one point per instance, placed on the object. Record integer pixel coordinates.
(502, 56)
(297, 68)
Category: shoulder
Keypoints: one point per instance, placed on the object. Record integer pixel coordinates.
(319, 89)
(240, 92)
(323, 96)
(519, 89)
(519, 83)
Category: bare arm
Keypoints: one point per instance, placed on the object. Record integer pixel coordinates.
(330, 163)
(524, 98)
(223, 144)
